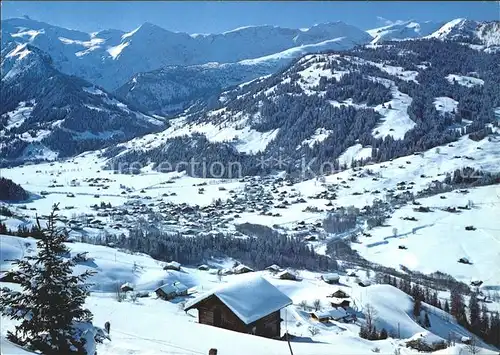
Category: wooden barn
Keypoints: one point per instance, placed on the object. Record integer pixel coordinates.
(274, 268)
(127, 286)
(336, 314)
(331, 278)
(241, 269)
(251, 305)
(340, 302)
(173, 265)
(170, 291)
(287, 275)
(339, 294)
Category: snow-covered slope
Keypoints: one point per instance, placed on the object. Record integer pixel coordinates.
(403, 30)
(323, 104)
(362, 187)
(481, 35)
(150, 315)
(110, 58)
(430, 231)
(46, 113)
(171, 89)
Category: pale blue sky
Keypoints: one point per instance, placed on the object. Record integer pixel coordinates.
(219, 16)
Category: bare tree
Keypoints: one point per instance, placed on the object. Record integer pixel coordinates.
(133, 296)
(473, 347)
(370, 314)
(303, 304)
(119, 295)
(313, 330)
(317, 304)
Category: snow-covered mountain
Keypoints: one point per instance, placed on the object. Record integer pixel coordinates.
(404, 30)
(110, 58)
(393, 100)
(483, 35)
(170, 90)
(46, 114)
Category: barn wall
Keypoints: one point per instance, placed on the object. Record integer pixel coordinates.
(229, 320)
(268, 326)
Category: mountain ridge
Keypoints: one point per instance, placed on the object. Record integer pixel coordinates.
(50, 114)
(110, 57)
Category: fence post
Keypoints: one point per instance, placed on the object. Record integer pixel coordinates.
(212, 351)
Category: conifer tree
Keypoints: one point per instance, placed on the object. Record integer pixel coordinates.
(51, 299)
(446, 306)
(417, 307)
(427, 321)
(474, 313)
(457, 308)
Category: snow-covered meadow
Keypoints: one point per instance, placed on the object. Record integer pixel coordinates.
(152, 326)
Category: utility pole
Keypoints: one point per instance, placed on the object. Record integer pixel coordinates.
(286, 330)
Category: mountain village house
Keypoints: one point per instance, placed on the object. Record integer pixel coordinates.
(251, 305)
(171, 291)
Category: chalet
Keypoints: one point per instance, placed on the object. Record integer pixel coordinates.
(251, 305)
(173, 265)
(126, 287)
(340, 302)
(464, 261)
(241, 269)
(170, 291)
(339, 294)
(287, 275)
(310, 238)
(273, 268)
(331, 278)
(324, 316)
(364, 283)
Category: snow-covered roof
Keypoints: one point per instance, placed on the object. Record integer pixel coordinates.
(173, 288)
(273, 267)
(330, 277)
(286, 272)
(337, 300)
(250, 298)
(241, 268)
(333, 313)
(127, 284)
(173, 264)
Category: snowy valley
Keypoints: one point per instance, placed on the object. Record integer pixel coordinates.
(265, 190)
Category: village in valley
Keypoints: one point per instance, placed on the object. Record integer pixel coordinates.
(179, 186)
(381, 207)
